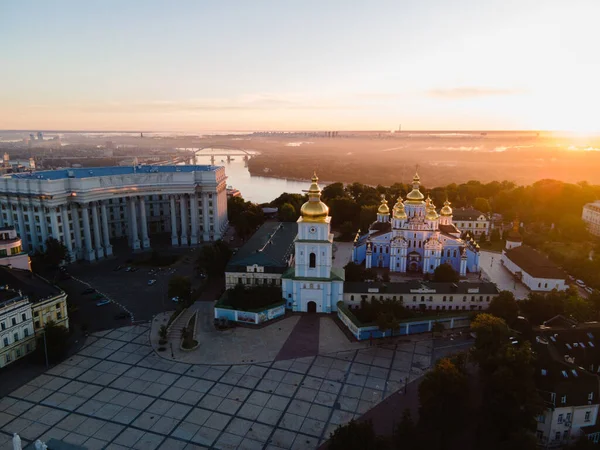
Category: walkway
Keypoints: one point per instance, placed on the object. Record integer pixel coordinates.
(303, 340)
(490, 263)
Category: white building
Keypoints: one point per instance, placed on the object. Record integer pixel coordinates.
(531, 267)
(423, 295)
(17, 337)
(11, 250)
(591, 216)
(86, 208)
(472, 221)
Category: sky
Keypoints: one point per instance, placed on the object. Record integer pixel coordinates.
(202, 65)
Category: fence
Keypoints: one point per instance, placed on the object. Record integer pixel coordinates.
(414, 326)
(250, 317)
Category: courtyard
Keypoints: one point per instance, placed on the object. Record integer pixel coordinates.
(492, 268)
(117, 393)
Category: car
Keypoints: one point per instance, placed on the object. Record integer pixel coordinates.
(116, 269)
(202, 275)
(128, 269)
(88, 291)
(175, 299)
(63, 268)
(151, 282)
(103, 302)
(121, 316)
(134, 269)
(580, 283)
(589, 290)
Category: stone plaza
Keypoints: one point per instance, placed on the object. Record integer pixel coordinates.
(117, 393)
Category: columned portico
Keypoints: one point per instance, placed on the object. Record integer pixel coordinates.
(133, 232)
(205, 221)
(76, 229)
(97, 242)
(21, 219)
(144, 224)
(184, 221)
(174, 239)
(194, 213)
(105, 233)
(87, 235)
(66, 231)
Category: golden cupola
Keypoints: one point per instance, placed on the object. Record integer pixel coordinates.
(314, 210)
(383, 207)
(415, 197)
(399, 211)
(446, 210)
(431, 213)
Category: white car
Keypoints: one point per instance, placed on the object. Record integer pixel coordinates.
(580, 283)
(151, 282)
(175, 299)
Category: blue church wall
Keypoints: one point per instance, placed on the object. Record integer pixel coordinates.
(360, 253)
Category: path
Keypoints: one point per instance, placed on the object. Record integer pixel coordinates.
(303, 340)
(490, 263)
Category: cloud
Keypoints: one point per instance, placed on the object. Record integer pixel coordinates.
(471, 92)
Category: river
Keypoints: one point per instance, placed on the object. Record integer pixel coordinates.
(253, 188)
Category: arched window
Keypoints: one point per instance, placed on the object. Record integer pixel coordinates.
(312, 260)
(448, 253)
(464, 298)
(352, 297)
(487, 299)
(422, 298)
(419, 244)
(444, 298)
(455, 253)
(451, 298)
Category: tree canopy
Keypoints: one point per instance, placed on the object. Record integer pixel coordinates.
(180, 287)
(56, 252)
(444, 273)
(213, 258)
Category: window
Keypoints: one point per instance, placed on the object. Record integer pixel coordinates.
(557, 436)
(587, 416)
(59, 314)
(5, 341)
(451, 298)
(560, 418)
(565, 434)
(37, 323)
(3, 326)
(26, 332)
(8, 358)
(23, 317)
(312, 261)
(16, 336)
(563, 399)
(351, 297)
(568, 418)
(18, 353)
(444, 298)
(14, 320)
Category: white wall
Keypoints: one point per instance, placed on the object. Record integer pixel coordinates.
(533, 283)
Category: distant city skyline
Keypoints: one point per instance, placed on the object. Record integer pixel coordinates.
(299, 65)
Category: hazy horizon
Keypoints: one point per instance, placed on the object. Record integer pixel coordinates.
(311, 65)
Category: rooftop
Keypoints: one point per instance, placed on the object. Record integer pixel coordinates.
(89, 172)
(534, 263)
(31, 285)
(270, 246)
(420, 287)
(466, 214)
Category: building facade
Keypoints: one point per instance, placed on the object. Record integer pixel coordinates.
(11, 250)
(423, 295)
(17, 337)
(86, 208)
(415, 238)
(312, 284)
(591, 216)
(264, 258)
(472, 221)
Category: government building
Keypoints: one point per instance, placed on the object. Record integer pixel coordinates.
(415, 238)
(86, 208)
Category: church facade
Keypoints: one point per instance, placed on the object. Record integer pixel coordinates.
(415, 238)
(311, 284)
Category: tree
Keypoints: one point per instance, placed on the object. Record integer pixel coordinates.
(437, 328)
(56, 252)
(213, 258)
(162, 335)
(355, 436)
(368, 215)
(246, 217)
(57, 337)
(333, 190)
(481, 204)
(505, 307)
(492, 335)
(354, 272)
(482, 238)
(181, 287)
(405, 433)
(443, 402)
(495, 235)
(287, 213)
(348, 230)
(444, 273)
(387, 322)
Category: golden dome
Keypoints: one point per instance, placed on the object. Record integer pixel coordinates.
(383, 207)
(415, 196)
(431, 214)
(446, 210)
(399, 211)
(314, 210)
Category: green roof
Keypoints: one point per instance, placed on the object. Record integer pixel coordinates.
(270, 246)
(337, 274)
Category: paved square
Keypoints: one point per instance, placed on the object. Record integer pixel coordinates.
(116, 393)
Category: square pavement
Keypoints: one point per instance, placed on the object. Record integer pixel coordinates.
(116, 393)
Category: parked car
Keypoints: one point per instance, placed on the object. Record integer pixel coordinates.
(103, 302)
(128, 269)
(589, 290)
(175, 299)
(151, 282)
(134, 269)
(580, 283)
(88, 291)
